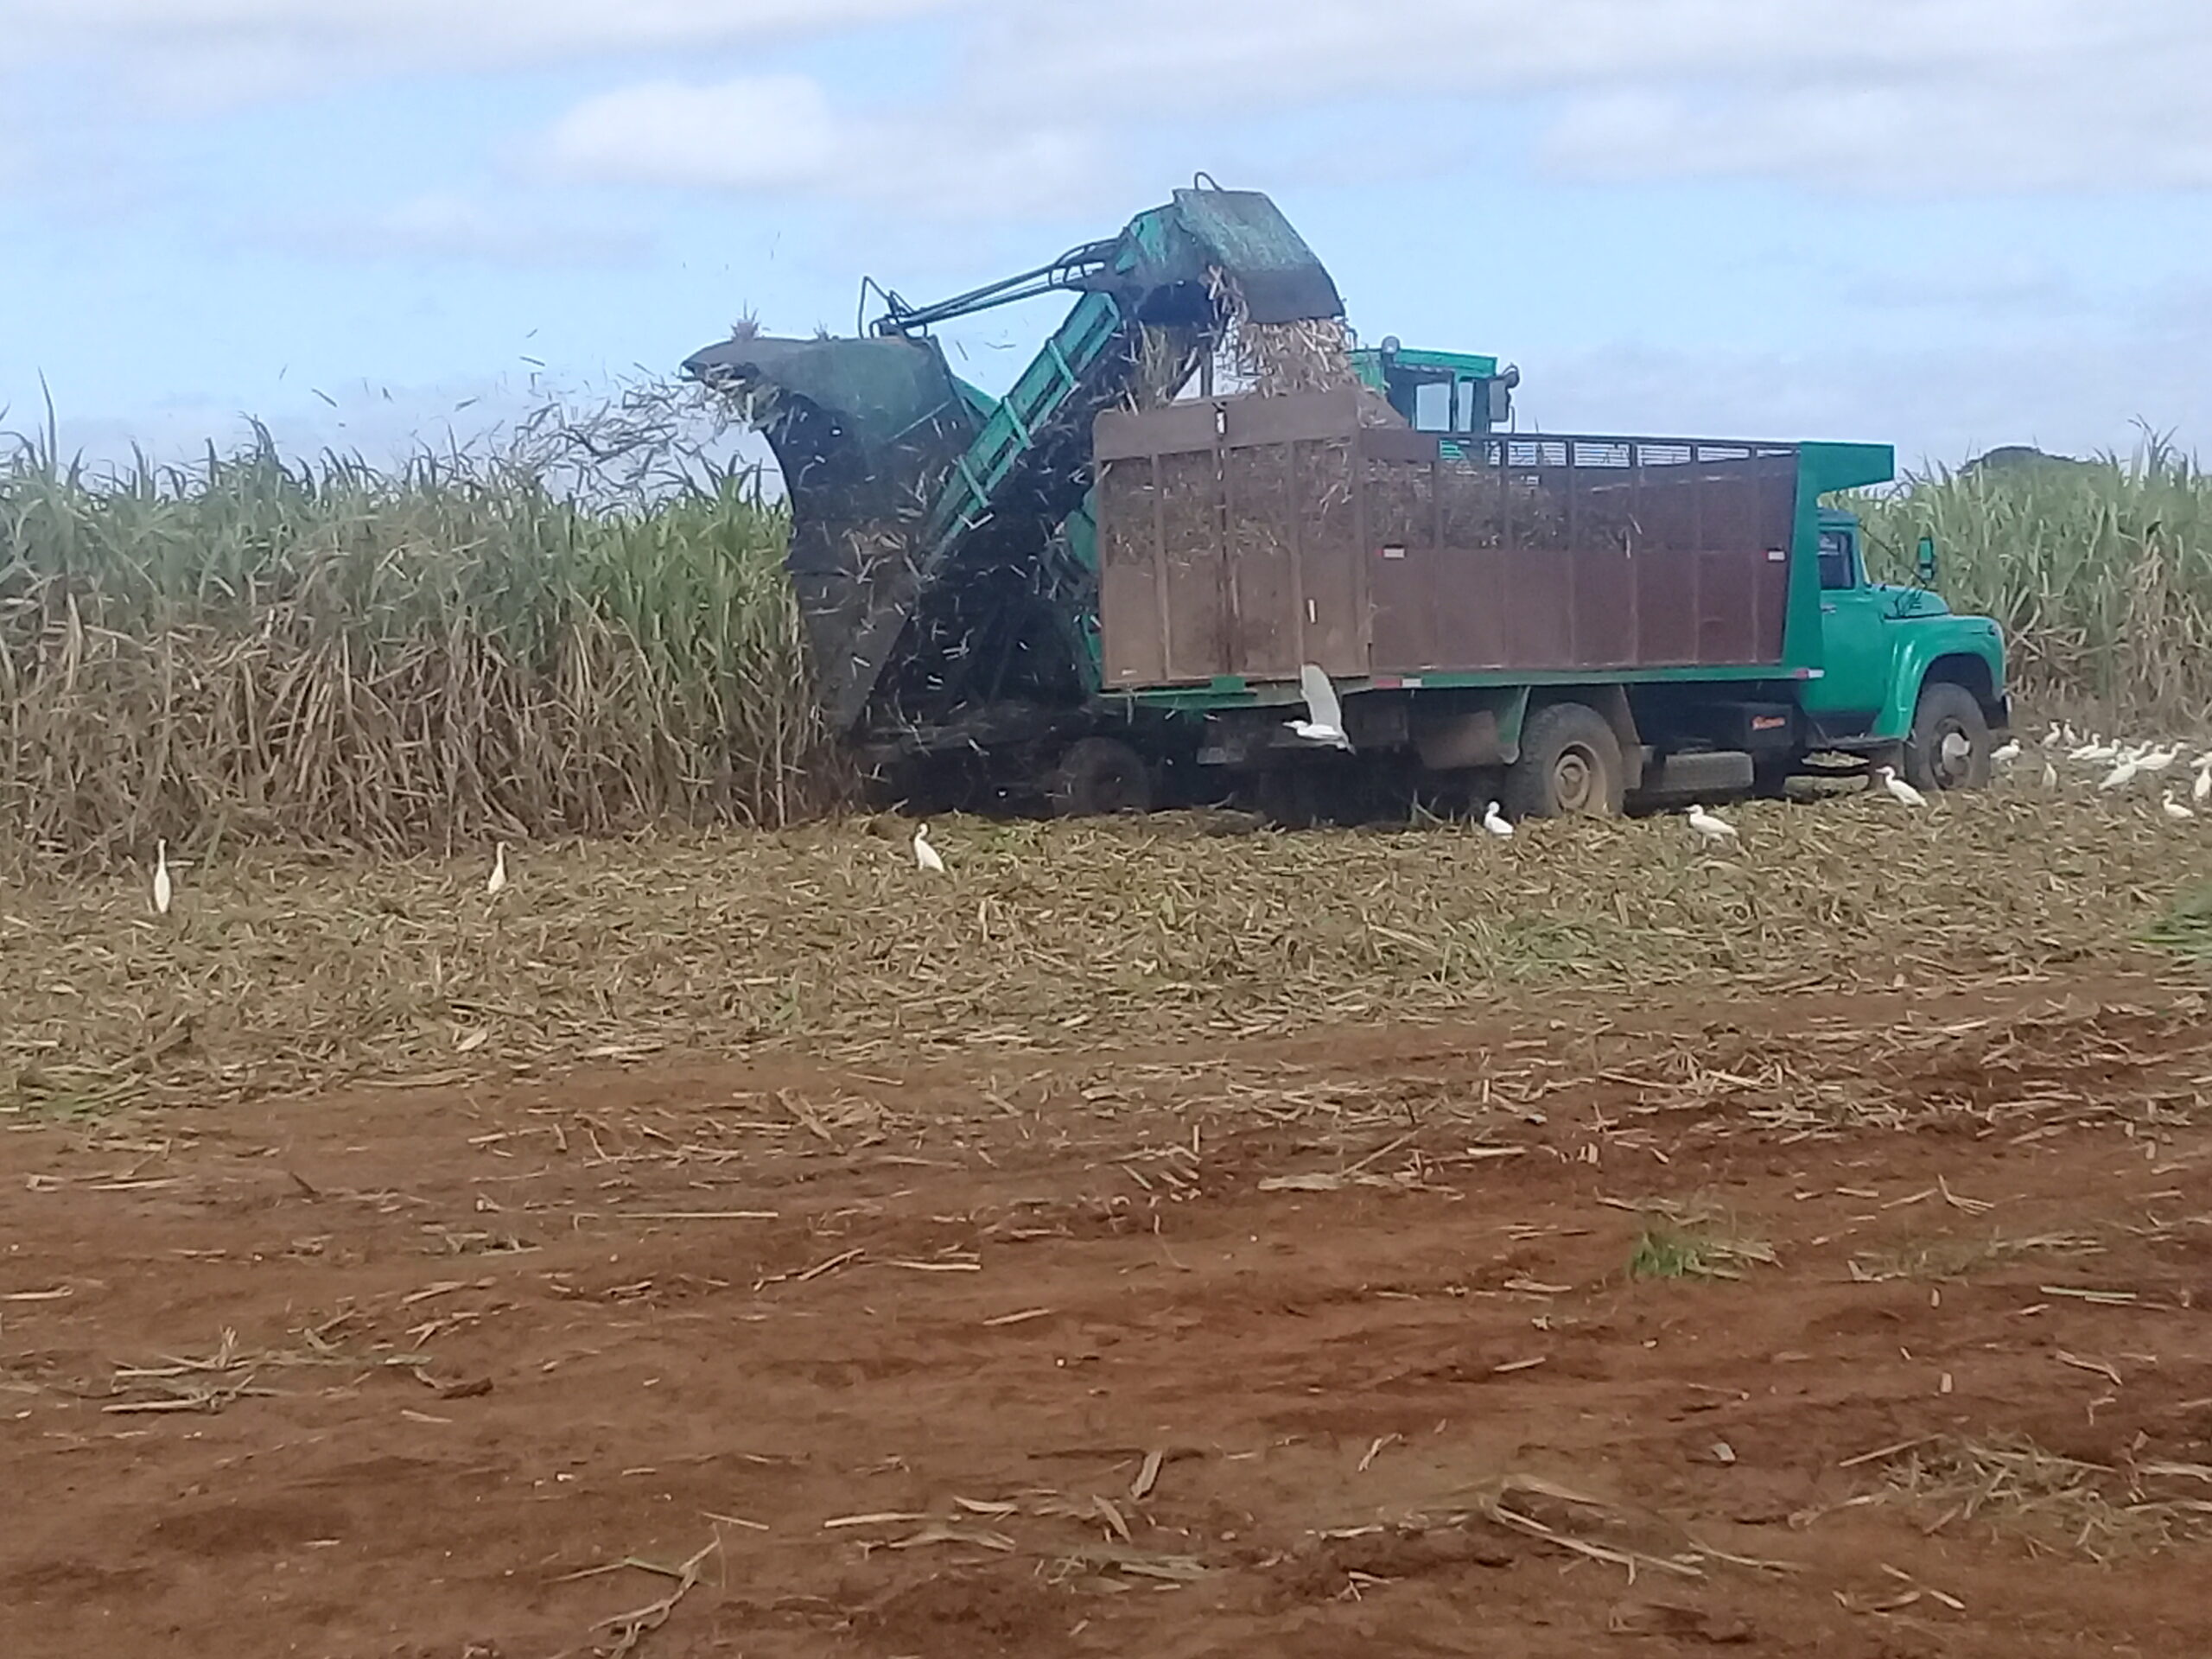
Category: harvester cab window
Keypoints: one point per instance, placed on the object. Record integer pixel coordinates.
(1838, 568)
(1432, 406)
(1452, 405)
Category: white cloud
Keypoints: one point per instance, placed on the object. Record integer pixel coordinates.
(2009, 127)
(450, 226)
(440, 31)
(1252, 51)
(194, 55)
(1889, 95)
(781, 134)
(753, 133)
(1883, 97)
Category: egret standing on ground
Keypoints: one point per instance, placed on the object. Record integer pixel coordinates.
(2201, 791)
(925, 854)
(1899, 790)
(1494, 820)
(2174, 809)
(1713, 830)
(163, 890)
(2050, 776)
(1324, 714)
(2008, 752)
(496, 883)
(2120, 776)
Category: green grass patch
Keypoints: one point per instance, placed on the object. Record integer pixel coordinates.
(2187, 925)
(1694, 1245)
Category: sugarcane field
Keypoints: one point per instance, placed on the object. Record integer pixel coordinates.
(1154, 958)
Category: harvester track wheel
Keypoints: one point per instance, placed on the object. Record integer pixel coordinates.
(1570, 766)
(1949, 745)
(1099, 777)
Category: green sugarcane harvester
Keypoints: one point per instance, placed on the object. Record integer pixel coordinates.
(1120, 583)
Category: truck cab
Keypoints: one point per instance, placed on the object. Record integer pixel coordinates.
(1899, 668)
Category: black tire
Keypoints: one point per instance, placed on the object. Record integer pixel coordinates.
(1288, 798)
(1099, 777)
(1947, 709)
(1570, 766)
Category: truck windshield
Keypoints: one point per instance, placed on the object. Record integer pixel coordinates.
(1837, 566)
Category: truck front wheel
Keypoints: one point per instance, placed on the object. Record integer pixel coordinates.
(1949, 745)
(1099, 777)
(1570, 766)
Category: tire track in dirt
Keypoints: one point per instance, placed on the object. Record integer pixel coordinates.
(1290, 1348)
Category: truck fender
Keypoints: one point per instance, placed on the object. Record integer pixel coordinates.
(1474, 727)
(1977, 660)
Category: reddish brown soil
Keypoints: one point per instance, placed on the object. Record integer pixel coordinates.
(985, 1290)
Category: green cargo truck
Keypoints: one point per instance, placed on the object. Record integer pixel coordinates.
(1086, 594)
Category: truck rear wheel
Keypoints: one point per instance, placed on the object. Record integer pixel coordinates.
(1949, 745)
(1570, 766)
(1099, 777)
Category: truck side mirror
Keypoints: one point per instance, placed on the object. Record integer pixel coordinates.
(1925, 563)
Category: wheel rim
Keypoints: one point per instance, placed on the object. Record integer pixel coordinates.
(1112, 785)
(1574, 778)
(1946, 773)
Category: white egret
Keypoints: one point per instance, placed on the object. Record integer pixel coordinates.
(925, 857)
(164, 890)
(2050, 776)
(2174, 809)
(2201, 791)
(1899, 790)
(1494, 820)
(2120, 776)
(496, 883)
(2007, 752)
(1711, 829)
(1324, 714)
(2157, 759)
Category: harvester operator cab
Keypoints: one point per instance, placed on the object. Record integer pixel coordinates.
(1453, 394)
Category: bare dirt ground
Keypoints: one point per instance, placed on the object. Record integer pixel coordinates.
(1288, 1347)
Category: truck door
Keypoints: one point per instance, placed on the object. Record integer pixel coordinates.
(1856, 636)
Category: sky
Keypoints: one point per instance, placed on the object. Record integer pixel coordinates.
(1943, 223)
